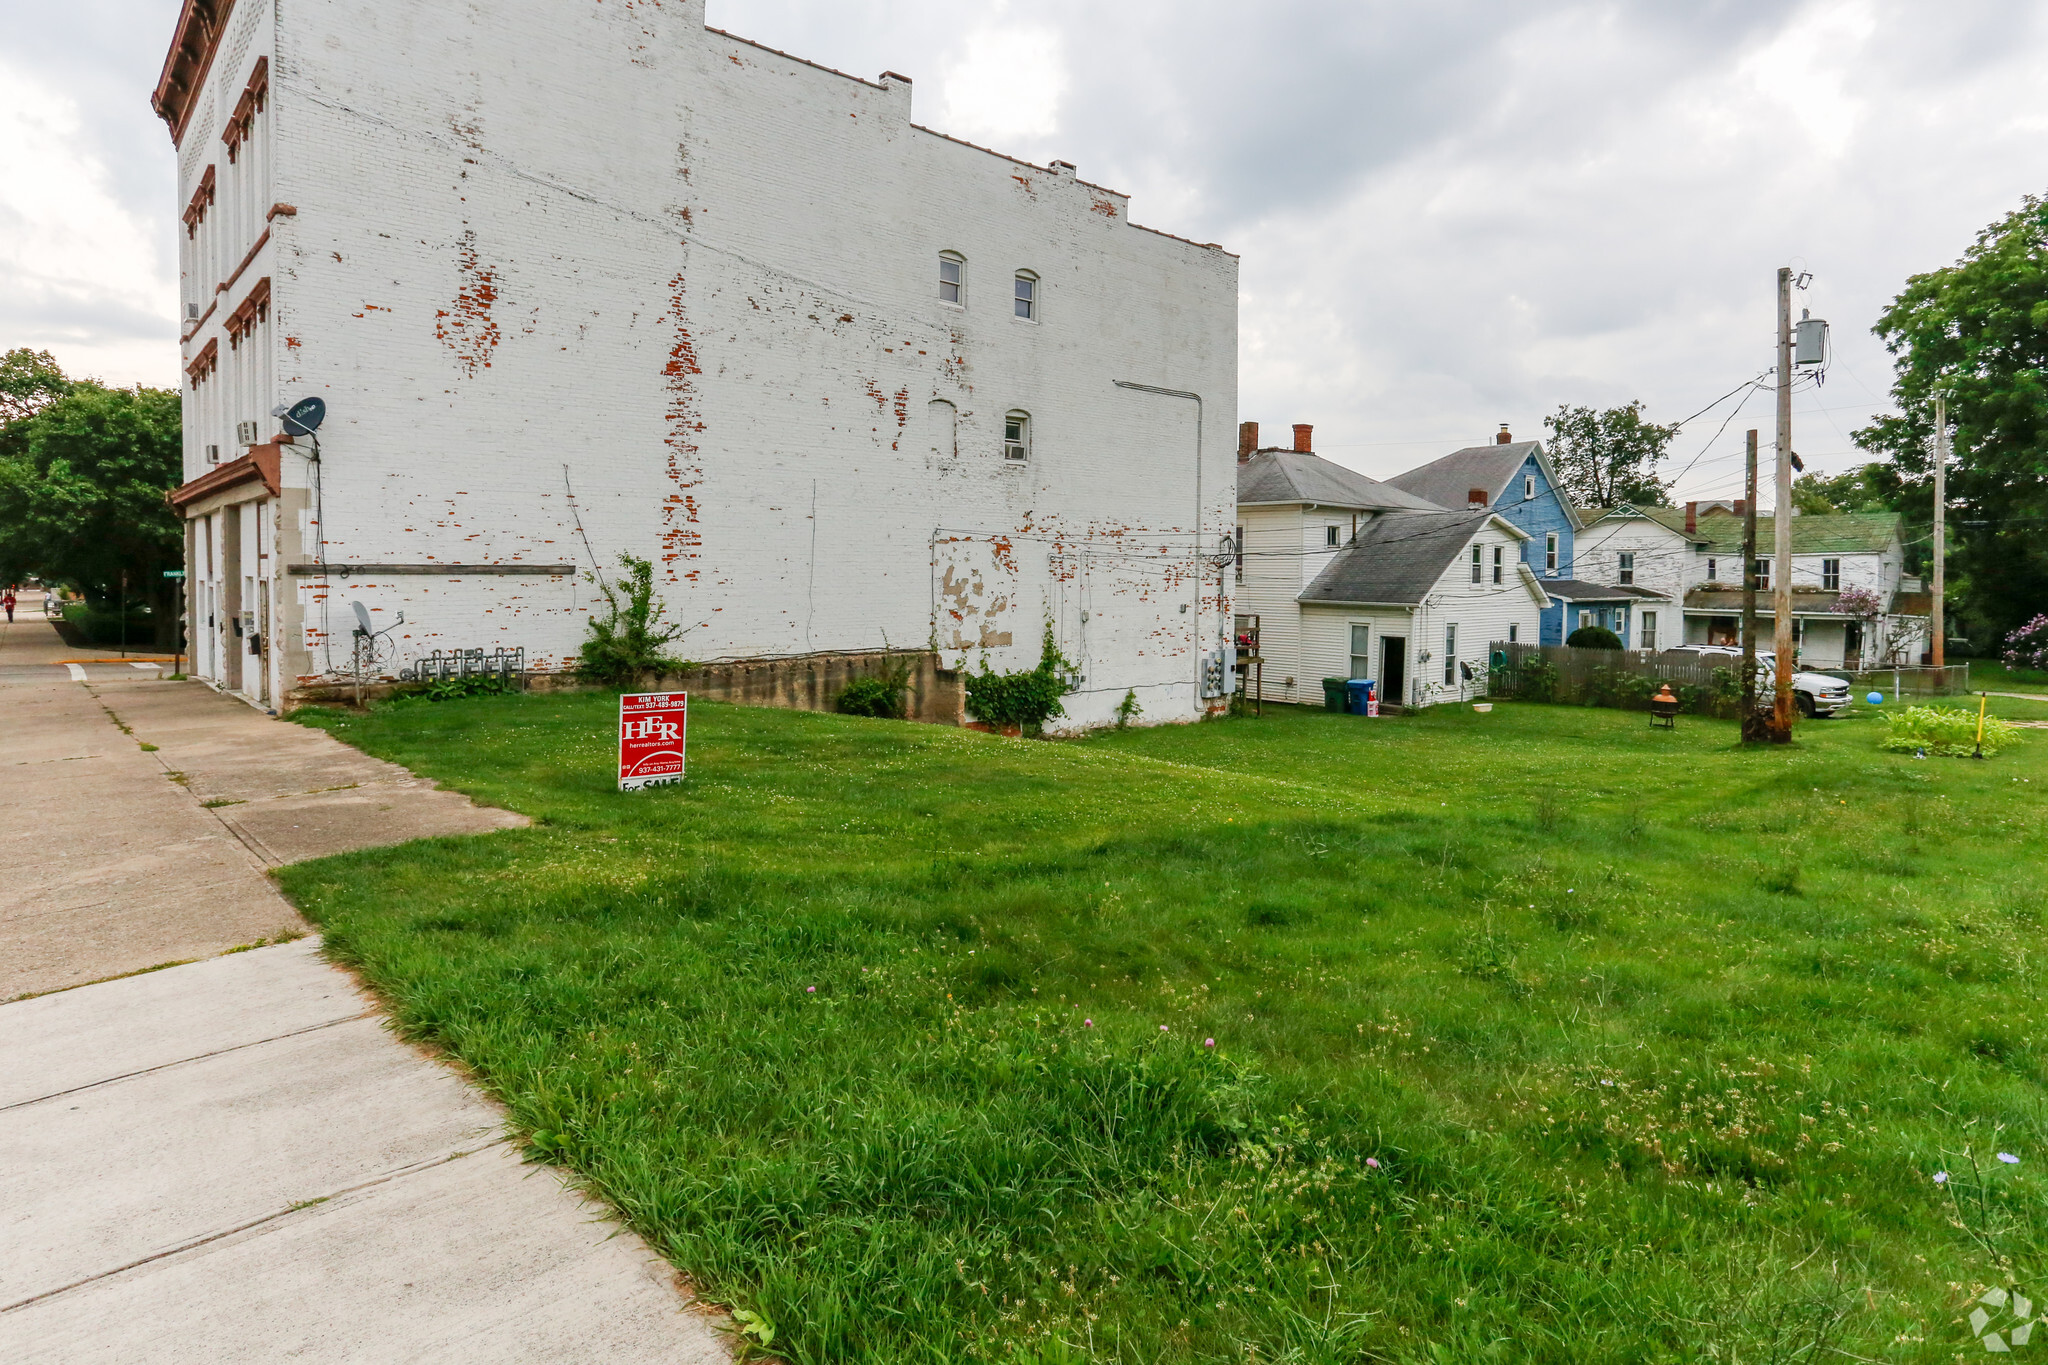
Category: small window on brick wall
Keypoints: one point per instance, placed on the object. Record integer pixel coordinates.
(952, 277)
(1016, 435)
(1027, 296)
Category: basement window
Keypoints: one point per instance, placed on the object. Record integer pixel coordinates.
(1016, 435)
(1027, 296)
(952, 277)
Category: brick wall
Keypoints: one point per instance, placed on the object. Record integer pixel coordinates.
(596, 247)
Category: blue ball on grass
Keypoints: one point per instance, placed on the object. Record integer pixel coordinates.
(1875, 699)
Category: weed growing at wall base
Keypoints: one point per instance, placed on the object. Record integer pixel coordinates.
(895, 1037)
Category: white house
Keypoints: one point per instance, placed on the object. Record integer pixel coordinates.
(1692, 558)
(577, 280)
(1350, 578)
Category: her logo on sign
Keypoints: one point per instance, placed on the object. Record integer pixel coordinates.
(653, 728)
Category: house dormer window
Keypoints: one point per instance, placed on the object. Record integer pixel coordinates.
(1528, 487)
(952, 277)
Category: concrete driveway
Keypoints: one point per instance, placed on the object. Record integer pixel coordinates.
(233, 1159)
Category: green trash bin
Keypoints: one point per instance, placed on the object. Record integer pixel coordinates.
(1333, 694)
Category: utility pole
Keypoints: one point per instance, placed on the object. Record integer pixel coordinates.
(1753, 729)
(1936, 620)
(1781, 522)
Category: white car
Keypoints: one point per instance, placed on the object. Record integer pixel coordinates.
(1817, 695)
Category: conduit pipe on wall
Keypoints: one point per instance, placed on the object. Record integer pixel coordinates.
(1183, 393)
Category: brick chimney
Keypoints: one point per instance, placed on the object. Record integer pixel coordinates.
(1247, 440)
(1506, 437)
(1742, 507)
(1302, 445)
(1475, 499)
(1692, 518)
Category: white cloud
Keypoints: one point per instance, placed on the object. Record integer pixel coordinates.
(80, 272)
(1004, 84)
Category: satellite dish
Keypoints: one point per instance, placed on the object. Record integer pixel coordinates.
(362, 612)
(303, 418)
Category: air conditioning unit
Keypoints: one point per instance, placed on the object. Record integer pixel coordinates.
(248, 434)
(213, 454)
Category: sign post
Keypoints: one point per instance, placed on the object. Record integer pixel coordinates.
(652, 729)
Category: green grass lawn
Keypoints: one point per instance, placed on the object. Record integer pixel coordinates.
(1538, 1035)
(1993, 675)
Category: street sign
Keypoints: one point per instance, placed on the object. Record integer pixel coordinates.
(174, 573)
(652, 730)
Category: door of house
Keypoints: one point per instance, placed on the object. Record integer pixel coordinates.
(1393, 669)
(1852, 644)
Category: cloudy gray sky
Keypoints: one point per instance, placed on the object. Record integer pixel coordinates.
(1450, 215)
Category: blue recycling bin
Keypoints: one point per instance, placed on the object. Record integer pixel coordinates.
(1358, 696)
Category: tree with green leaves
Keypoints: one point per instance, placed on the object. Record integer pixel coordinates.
(1866, 488)
(1977, 332)
(29, 380)
(83, 474)
(1604, 458)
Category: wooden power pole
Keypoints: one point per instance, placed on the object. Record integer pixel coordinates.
(1937, 619)
(1753, 729)
(1781, 522)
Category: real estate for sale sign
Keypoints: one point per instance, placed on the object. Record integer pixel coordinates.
(652, 728)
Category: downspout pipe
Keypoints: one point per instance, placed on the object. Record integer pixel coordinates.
(1197, 399)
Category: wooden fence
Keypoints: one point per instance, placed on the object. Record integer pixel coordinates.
(1705, 684)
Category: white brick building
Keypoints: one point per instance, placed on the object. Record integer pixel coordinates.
(597, 273)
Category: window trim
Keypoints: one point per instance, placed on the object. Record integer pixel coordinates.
(1022, 445)
(1450, 654)
(1514, 632)
(1550, 551)
(1354, 655)
(1497, 557)
(1029, 277)
(1625, 566)
(1831, 575)
(959, 286)
(1763, 574)
(1528, 488)
(1646, 630)
(1333, 536)
(1478, 563)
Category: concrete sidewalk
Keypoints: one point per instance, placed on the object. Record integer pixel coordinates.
(234, 1161)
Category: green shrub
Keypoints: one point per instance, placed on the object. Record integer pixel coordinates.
(100, 624)
(1534, 679)
(1949, 731)
(454, 689)
(630, 638)
(1128, 709)
(881, 697)
(1025, 700)
(1593, 637)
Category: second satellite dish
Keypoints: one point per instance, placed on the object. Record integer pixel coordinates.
(362, 616)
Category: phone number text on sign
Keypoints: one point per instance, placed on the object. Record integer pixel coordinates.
(652, 729)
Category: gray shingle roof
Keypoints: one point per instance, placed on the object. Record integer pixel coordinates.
(1580, 590)
(1282, 476)
(1396, 559)
(1448, 482)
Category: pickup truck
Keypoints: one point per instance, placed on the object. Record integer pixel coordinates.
(1818, 695)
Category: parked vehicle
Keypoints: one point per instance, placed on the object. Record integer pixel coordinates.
(1817, 695)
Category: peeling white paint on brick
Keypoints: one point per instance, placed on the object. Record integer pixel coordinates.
(703, 276)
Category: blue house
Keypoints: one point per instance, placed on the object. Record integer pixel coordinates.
(1515, 479)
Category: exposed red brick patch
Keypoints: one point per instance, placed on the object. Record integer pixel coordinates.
(682, 540)
(1105, 207)
(467, 327)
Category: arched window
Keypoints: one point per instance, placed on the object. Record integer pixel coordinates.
(944, 420)
(1016, 435)
(1027, 296)
(952, 277)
